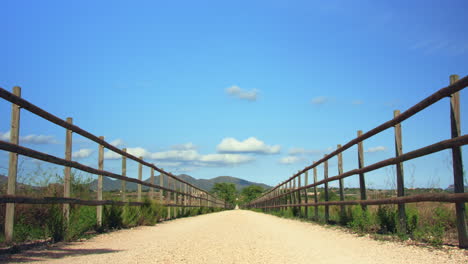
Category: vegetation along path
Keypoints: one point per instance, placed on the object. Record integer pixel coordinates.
(236, 236)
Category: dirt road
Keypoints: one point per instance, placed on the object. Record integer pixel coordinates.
(236, 237)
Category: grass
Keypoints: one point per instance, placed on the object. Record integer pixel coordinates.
(428, 223)
(47, 222)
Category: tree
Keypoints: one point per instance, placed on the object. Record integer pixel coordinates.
(225, 191)
(251, 192)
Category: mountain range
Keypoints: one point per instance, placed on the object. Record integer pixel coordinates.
(206, 184)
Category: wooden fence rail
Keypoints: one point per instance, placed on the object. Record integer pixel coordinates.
(286, 194)
(178, 193)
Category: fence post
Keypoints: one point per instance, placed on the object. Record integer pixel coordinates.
(124, 173)
(168, 197)
(67, 171)
(176, 200)
(362, 180)
(400, 175)
(341, 183)
(298, 194)
(284, 199)
(152, 182)
(99, 189)
(325, 176)
(190, 196)
(291, 201)
(315, 194)
(294, 192)
(185, 198)
(161, 183)
(306, 198)
(12, 167)
(457, 164)
(140, 172)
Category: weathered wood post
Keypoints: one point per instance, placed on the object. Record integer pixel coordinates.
(190, 196)
(161, 183)
(457, 164)
(283, 198)
(341, 184)
(124, 173)
(400, 176)
(325, 176)
(168, 197)
(12, 167)
(99, 189)
(176, 198)
(186, 187)
(315, 194)
(362, 180)
(306, 198)
(151, 194)
(294, 194)
(67, 172)
(298, 193)
(140, 174)
(290, 196)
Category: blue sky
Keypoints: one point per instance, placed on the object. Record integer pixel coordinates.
(251, 89)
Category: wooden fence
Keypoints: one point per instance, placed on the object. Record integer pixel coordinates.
(288, 194)
(173, 191)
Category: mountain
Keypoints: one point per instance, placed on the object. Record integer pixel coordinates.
(3, 179)
(451, 188)
(206, 184)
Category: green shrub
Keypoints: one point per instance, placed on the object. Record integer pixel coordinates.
(295, 211)
(130, 215)
(23, 231)
(433, 232)
(55, 226)
(112, 217)
(386, 217)
(412, 219)
(346, 216)
(150, 212)
(82, 220)
(361, 220)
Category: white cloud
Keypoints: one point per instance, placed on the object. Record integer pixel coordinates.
(185, 169)
(138, 152)
(225, 159)
(38, 139)
(319, 100)
(376, 149)
(110, 155)
(184, 155)
(31, 139)
(240, 93)
(82, 153)
(250, 145)
(186, 146)
(302, 151)
(169, 164)
(5, 136)
(118, 142)
(185, 158)
(290, 160)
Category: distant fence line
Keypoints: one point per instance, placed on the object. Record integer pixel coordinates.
(173, 191)
(287, 194)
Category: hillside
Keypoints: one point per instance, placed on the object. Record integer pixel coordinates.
(206, 184)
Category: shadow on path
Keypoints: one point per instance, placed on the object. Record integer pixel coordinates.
(56, 252)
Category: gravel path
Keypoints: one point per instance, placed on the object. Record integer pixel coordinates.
(237, 237)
